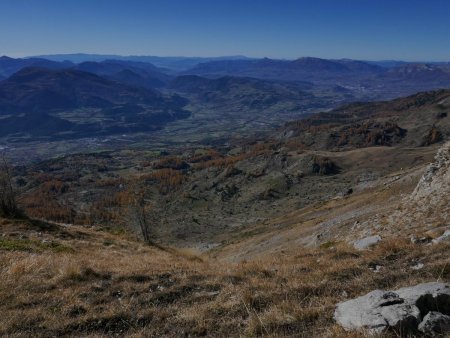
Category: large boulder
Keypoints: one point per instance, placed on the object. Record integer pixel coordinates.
(404, 310)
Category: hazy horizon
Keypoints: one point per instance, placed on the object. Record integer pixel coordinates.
(56, 54)
(382, 30)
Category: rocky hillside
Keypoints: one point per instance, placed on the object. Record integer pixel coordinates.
(418, 120)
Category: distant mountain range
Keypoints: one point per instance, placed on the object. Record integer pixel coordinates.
(72, 103)
(133, 73)
(9, 66)
(320, 71)
(177, 63)
(180, 63)
(300, 69)
(78, 95)
(377, 78)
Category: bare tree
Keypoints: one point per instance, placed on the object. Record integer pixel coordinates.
(8, 195)
(138, 213)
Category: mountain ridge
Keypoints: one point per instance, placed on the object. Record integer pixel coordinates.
(82, 98)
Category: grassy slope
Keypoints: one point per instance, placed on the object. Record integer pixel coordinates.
(102, 284)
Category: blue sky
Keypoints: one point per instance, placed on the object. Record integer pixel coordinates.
(359, 29)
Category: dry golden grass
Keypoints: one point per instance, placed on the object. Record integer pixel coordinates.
(100, 284)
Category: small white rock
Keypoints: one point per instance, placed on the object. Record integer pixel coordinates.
(445, 237)
(418, 266)
(367, 242)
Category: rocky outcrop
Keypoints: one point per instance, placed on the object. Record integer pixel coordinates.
(411, 310)
(433, 136)
(324, 166)
(431, 197)
(367, 134)
(429, 203)
(436, 178)
(366, 242)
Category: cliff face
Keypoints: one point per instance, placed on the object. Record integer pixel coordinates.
(432, 193)
(428, 206)
(435, 183)
(436, 179)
